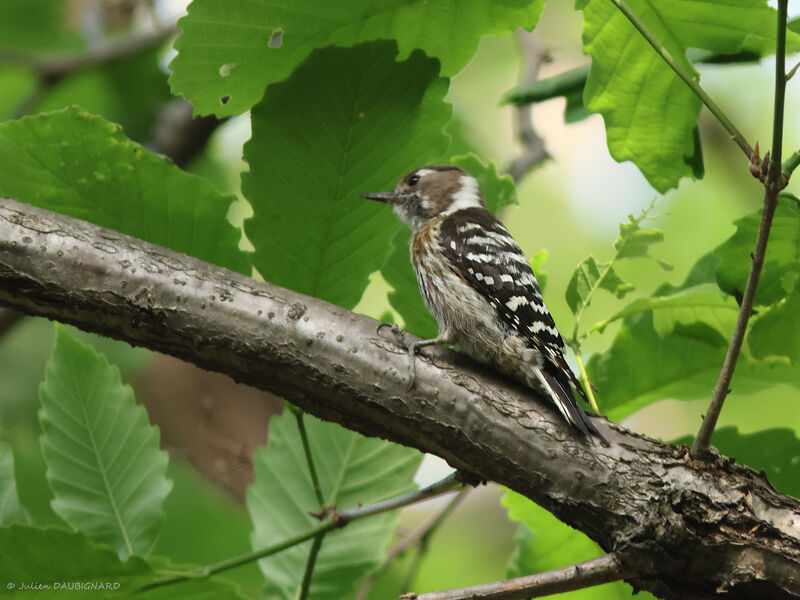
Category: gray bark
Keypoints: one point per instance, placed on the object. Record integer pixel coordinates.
(690, 529)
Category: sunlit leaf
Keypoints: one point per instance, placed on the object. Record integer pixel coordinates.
(777, 331)
(83, 166)
(103, 461)
(589, 276)
(228, 53)
(650, 114)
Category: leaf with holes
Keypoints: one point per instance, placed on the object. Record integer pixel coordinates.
(589, 276)
(229, 52)
(104, 465)
(83, 166)
(311, 159)
(352, 470)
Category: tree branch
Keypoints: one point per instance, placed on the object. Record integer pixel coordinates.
(773, 183)
(702, 529)
(588, 573)
(533, 151)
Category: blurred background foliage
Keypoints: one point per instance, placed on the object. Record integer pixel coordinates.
(571, 206)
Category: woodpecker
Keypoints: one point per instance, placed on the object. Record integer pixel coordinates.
(479, 286)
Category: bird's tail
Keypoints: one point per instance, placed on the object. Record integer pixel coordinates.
(557, 384)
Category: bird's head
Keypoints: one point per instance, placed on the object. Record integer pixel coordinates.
(431, 191)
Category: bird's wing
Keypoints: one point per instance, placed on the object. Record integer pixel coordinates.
(485, 254)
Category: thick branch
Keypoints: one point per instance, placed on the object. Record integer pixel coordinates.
(703, 529)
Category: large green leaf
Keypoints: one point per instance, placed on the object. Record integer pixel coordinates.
(642, 367)
(774, 451)
(310, 159)
(229, 52)
(544, 543)
(10, 508)
(649, 113)
(782, 260)
(693, 305)
(103, 461)
(352, 470)
(499, 192)
(82, 166)
(48, 555)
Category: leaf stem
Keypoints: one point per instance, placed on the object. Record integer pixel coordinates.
(791, 163)
(586, 383)
(334, 519)
(772, 186)
(687, 78)
(301, 427)
(312, 559)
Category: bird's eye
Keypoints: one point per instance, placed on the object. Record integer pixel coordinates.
(413, 180)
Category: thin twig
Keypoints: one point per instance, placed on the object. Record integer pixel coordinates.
(312, 560)
(419, 537)
(331, 519)
(301, 427)
(588, 573)
(772, 186)
(533, 152)
(687, 78)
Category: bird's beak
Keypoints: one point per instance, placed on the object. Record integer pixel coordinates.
(386, 197)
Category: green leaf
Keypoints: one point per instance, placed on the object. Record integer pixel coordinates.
(352, 470)
(649, 113)
(82, 166)
(310, 160)
(543, 543)
(777, 331)
(103, 461)
(228, 54)
(405, 298)
(774, 451)
(782, 259)
(10, 508)
(642, 367)
(589, 276)
(684, 308)
(48, 555)
(69, 563)
(634, 240)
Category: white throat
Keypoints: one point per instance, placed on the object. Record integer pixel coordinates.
(468, 196)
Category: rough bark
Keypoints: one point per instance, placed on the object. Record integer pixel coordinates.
(690, 529)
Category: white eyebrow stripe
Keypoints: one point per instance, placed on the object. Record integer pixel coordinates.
(467, 195)
(423, 172)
